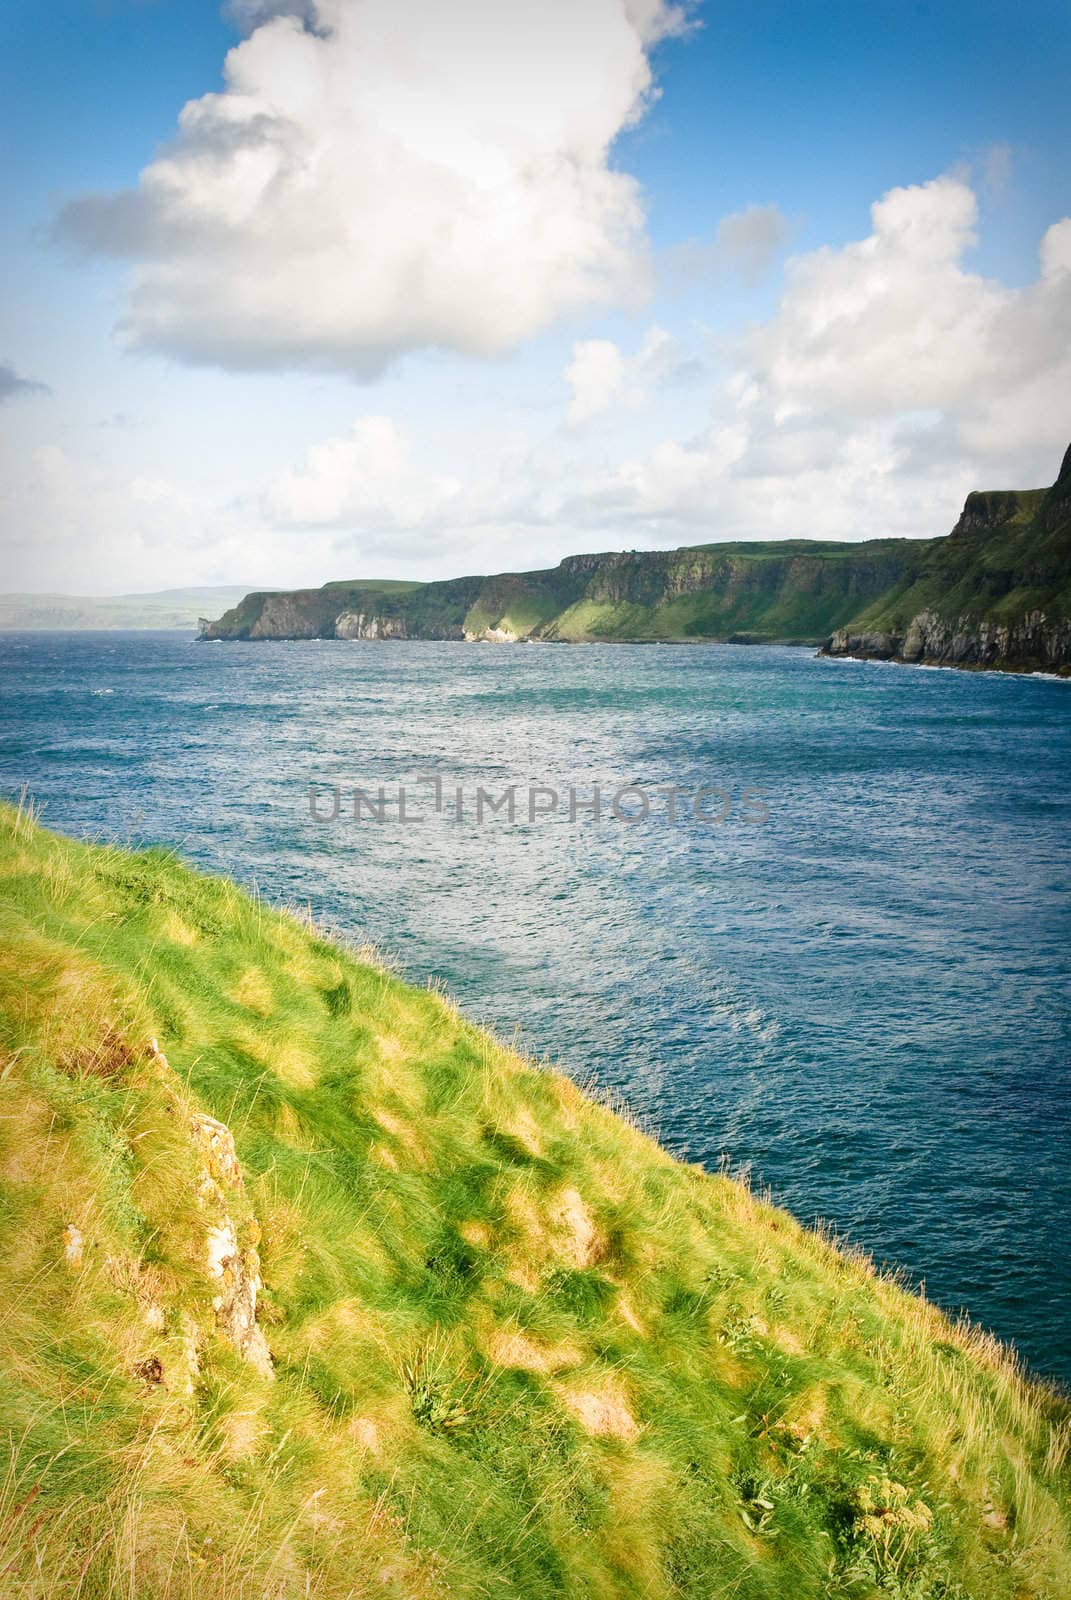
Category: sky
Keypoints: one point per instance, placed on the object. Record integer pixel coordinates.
(301, 290)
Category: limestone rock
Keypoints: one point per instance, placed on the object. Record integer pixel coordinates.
(233, 1266)
(73, 1246)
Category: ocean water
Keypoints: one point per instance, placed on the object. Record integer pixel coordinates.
(864, 999)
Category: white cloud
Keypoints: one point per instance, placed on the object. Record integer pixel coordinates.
(750, 240)
(603, 379)
(598, 377)
(365, 477)
(894, 324)
(890, 380)
(401, 174)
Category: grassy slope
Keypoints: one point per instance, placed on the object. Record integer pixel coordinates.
(796, 590)
(791, 589)
(999, 572)
(518, 1350)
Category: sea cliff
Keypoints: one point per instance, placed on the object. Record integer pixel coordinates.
(797, 590)
(995, 592)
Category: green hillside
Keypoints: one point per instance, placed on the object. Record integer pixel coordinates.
(996, 592)
(435, 1323)
(795, 589)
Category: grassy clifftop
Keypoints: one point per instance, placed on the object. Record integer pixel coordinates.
(996, 592)
(313, 1288)
(791, 589)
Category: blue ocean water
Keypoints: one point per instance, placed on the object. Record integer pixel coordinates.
(864, 999)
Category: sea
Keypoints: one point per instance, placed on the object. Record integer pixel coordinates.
(817, 930)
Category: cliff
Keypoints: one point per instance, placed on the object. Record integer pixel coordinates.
(995, 593)
(796, 590)
(312, 1287)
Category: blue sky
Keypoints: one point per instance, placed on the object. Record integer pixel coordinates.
(593, 356)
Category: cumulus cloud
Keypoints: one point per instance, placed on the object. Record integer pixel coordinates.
(895, 323)
(364, 477)
(890, 380)
(603, 379)
(598, 378)
(384, 175)
(11, 384)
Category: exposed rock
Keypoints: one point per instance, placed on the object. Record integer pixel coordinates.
(987, 509)
(232, 1265)
(992, 593)
(73, 1246)
(284, 617)
(1035, 644)
(491, 636)
(191, 1351)
(867, 645)
(216, 1144)
(358, 625)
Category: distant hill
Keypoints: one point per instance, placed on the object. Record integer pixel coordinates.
(996, 592)
(167, 608)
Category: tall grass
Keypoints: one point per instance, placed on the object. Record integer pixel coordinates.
(517, 1349)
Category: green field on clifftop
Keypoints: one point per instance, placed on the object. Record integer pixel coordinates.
(504, 1345)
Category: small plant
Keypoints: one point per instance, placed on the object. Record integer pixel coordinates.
(741, 1332)
(890, 1522)
(441, 1400)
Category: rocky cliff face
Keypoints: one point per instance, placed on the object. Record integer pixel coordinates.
(356, 625)
(996, 593)
(283, 617)
(1037, 644)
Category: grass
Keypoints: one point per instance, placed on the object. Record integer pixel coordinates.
(517, 1350)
